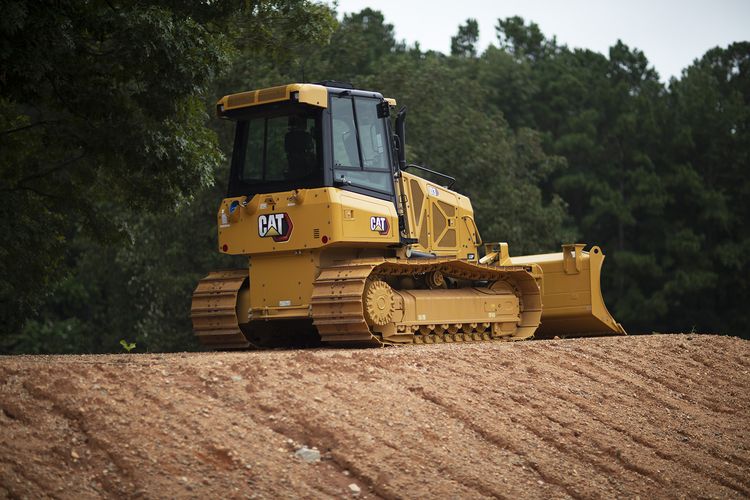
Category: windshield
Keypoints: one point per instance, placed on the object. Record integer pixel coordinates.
(279, 150)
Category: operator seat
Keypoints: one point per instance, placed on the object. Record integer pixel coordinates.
(299, 146)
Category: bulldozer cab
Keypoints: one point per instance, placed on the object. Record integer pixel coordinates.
(341, 142)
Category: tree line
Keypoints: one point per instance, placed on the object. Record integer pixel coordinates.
(112, 165)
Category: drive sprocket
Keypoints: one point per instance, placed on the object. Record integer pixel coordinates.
(378, 303)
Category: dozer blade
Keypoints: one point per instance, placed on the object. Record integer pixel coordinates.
(572, 303)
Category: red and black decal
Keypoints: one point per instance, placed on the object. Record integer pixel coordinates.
(380, 225)
(276, 226)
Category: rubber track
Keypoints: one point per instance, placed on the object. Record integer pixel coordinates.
(338, 309)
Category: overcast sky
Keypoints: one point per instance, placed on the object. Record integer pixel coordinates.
(671, 33)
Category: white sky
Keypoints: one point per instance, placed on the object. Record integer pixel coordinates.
(671, 33)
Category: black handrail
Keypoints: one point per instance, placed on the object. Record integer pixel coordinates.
(434, 172)
(401, 135)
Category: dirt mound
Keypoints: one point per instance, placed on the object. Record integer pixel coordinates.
(662, 415)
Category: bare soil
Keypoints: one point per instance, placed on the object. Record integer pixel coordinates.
(651, 416)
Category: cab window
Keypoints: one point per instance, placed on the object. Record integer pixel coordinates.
(345, 152)
(371, 134)
(280, 148)
(360, 157)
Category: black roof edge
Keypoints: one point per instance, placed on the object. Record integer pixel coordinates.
(336, 84)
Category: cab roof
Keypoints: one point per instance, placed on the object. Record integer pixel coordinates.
(308, 93)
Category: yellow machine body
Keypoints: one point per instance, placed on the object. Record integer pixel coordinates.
(323, 221)
(333, 264)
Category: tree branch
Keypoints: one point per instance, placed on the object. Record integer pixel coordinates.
(52, 170)
(26, 127)
(31, 189)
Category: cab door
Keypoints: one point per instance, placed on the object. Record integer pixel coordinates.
(360, 145)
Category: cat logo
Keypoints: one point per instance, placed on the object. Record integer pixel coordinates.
(276, 226)
(380, 225)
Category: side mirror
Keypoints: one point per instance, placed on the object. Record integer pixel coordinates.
(384, 110)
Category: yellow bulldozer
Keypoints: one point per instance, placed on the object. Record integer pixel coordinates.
(349, 245)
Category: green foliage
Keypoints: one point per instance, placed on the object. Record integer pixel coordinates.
(128, 346)
(465, 41)
(102, 120)
(100, 113)
(358, 45)
(656, 176)
(522, 41)
(709, 155)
